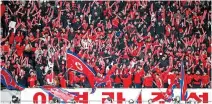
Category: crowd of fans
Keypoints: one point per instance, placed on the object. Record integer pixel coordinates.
(148, 41)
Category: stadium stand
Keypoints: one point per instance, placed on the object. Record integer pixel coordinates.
(147, 40)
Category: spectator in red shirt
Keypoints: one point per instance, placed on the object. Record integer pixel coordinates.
(32, 80)
(189, 79)
(49, 77)
(20, 49)
(11, 38)
(109, 83)
(205, 80)
(164, 76)
(19, 38)
(158, 81)
(6, 48)
(137, 79)
(62, 82)
(127, 80)
(197, 80)
(117, 80)
(171, 77)
(148, 81)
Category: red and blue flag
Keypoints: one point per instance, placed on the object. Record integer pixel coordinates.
(74, 62)
(9, 81)
(59, 93)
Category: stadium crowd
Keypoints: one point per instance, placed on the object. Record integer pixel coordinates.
(146, 40)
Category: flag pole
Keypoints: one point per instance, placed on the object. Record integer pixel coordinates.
(182, 83)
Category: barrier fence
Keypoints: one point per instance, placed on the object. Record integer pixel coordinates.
(119, 96)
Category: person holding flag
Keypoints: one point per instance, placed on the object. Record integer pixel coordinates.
(74, 62)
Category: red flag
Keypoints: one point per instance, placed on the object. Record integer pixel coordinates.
(9, 81)
(59, 93)
(75, 63)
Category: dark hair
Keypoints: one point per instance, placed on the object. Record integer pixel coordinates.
(15, 99)
(49, 71)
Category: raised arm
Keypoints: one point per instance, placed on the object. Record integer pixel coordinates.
(10, 10)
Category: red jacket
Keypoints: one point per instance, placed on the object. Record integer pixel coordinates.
(20, 50)
(32, 81)
(148, 81)
(117, 79)
(62, 82)
(205, 79)
(127, 81)
(172, 77)
(197, 79)
(137, 78)
(11, 38)
(164, 77)
(109, 83)
(189, 78)
(19, 38)
(159, 82)
(209, 49)
(115, 22)
(6, 48)
(50, 77)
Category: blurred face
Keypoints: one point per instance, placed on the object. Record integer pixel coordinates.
(99, 29)
(72, 30)
(48, 5)
(32, 73)
(124, 66)
(95, 13)
(6, 42)
(78, 19)
(91, 26)
(93, 60)
(186, 63)
(88, 61)
(144, 26)
(148, 74)
(117, 72)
